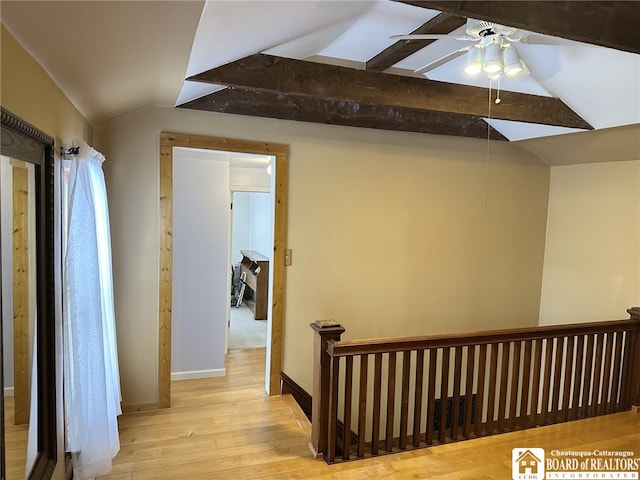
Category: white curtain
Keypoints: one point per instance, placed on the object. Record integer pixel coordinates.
(91, 377)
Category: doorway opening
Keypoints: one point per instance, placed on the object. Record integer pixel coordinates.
(274, 330)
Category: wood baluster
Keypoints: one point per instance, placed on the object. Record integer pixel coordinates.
(444, 394)
(535, 383)
(404, 401)
(515, 379)
(455, 407)
(362, 404)
(468, 391)
(417, 399)
(391, 397)
(606, 374)
(431, 395)
(578, 378)
(348, 394)
(615, 378)
(504, 379)
(624, 371)
(332, 411)
(568, 378)
(546, 384)
(617, 361)
(523, 420)
(588, 377)
(482, 367)
(491, 399)
(557, 374)
(377, 390)
(597, 381)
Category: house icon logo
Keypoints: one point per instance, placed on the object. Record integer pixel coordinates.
(527, 463)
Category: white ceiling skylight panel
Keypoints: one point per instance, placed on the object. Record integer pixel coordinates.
(515, 131)
(600, 84)
(226, 33)
(370, 33)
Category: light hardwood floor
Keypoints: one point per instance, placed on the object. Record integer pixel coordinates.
(15, 444)
(227, 428)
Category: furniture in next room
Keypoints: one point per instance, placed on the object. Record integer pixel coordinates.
(256, 267)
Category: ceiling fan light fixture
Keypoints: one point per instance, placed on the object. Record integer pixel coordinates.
(512, 63)
(492, 58)
(474, 61)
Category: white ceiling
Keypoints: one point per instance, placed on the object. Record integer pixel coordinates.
(111, 58)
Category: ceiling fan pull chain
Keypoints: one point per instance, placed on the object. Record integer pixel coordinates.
(486, 164)
(498, 93)
(489, 108)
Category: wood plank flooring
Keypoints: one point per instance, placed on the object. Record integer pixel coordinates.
(15, 443)
(227, 428)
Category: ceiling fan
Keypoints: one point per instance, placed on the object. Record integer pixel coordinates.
(491, 52)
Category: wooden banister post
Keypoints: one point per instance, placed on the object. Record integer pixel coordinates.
(325, 330)
(635, 376)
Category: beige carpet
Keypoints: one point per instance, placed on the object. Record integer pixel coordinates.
(244, 331)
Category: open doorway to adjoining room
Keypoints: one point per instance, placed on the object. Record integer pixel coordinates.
(170, 145)
(251, 249)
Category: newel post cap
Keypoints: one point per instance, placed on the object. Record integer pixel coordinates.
(635, 313)
(327, 326)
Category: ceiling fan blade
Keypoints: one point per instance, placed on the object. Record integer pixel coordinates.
(427, 36)
(442, 60)
(537, 39)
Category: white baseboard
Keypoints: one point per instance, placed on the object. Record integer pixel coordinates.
(218, 372)
(8, 392)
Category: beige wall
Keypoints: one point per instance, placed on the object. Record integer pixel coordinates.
(28, 92)
(389, 231)
(592, 257)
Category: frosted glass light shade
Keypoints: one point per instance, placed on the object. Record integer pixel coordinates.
(492, 58)
(512, 64)
(474, 61)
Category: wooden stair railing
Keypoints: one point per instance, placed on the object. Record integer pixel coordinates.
(387, 395)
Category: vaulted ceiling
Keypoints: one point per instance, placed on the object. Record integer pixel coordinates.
(378, 88)
(333, 62)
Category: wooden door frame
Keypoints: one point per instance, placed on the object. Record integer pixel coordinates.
(281, 154)
(22, 308)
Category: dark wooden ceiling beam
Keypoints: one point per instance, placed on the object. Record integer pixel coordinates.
(612, 24)
(334, 83)
(261, 103)
(441, 23)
